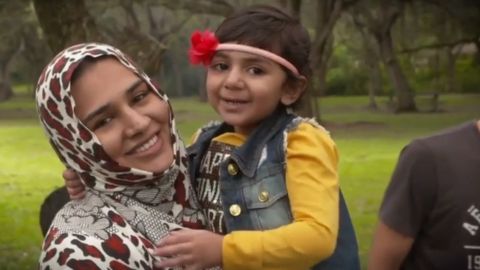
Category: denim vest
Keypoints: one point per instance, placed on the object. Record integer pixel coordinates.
(253, 190)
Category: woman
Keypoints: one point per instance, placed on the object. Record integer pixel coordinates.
(108, 121)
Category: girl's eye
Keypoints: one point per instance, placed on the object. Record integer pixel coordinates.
(256, 71)
(219, 66)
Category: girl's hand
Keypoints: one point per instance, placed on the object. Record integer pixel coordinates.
(191, 249)
(75, 187)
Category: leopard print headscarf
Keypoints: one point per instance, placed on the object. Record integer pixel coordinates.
(122, 203)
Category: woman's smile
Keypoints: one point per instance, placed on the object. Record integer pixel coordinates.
(129, 119)
(145, 148)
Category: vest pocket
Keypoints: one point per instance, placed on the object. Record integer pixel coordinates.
(267, 199)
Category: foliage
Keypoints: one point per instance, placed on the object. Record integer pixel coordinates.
(422, 24)
(346, 75)
(467, 74)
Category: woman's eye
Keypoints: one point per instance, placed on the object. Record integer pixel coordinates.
(256, 71)
(102, 122)
(140, 96)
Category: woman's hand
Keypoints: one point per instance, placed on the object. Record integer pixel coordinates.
(191, 249)
(75, 187)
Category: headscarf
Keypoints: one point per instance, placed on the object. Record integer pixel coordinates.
(123, 205)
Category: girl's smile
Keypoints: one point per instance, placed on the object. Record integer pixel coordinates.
(244, 88)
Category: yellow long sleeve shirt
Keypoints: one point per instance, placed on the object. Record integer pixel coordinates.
(313, 191)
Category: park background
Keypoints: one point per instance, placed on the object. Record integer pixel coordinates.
(385, 72)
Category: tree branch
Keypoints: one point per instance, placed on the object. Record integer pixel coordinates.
(438, 45)
(212, 7)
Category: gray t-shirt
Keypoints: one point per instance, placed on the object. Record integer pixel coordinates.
(434, 196)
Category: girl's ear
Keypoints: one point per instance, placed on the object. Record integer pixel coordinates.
(293, 91)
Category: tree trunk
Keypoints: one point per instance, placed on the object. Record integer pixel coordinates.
(305, 105)
(6, 91)
(476, 59)
(375, 84)
(403, 91)
(178, 78)
(294, 6)
(328, 12)
(320, 68)
(65, 23)
(451, 82)
(372, 60)
(434, 61)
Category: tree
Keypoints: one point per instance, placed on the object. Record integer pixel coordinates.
(65, 23)
(326, 14)
(379, 20)
(371, 58)
(12, 43)
(442, 32)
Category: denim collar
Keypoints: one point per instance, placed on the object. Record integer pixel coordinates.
(248, 155)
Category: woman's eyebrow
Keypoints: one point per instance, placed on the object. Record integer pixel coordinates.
(134, 86)
(103, 108)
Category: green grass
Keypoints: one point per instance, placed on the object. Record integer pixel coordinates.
(369, 143)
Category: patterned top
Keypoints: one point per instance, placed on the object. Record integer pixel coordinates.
(208, 185)
(126, 210)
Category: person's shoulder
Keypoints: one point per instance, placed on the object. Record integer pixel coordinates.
(299, 123)
(304, 126)
(78, 216)
(209, 127)
(455, 134)
(445, 142)
(308, 132)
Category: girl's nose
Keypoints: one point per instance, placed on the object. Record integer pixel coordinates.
(135, 122)
(234, 79)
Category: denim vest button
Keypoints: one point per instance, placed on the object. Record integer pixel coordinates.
(235, 210)
(263, 196)
(232, 169)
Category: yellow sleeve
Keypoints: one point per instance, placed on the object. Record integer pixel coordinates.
(194, 137)
(313, 190)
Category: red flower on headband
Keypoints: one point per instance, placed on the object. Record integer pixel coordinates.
(202, 48)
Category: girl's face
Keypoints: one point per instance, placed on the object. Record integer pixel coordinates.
(128, 118)
(245, 88)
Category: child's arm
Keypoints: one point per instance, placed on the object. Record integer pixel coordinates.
(312, 185)
(75, 187)
(193, 249)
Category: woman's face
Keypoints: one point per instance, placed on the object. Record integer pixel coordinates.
(128, 118)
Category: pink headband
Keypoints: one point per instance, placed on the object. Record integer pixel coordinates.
(204, 45)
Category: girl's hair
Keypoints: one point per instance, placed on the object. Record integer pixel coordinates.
(271, 29)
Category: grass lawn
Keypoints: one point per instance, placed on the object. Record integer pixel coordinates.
(369, 143)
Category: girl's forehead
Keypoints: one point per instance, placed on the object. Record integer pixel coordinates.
(242, 56)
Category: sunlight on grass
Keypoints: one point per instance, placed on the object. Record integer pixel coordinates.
(30, 171)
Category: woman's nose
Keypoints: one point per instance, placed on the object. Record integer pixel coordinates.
(135, 122)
